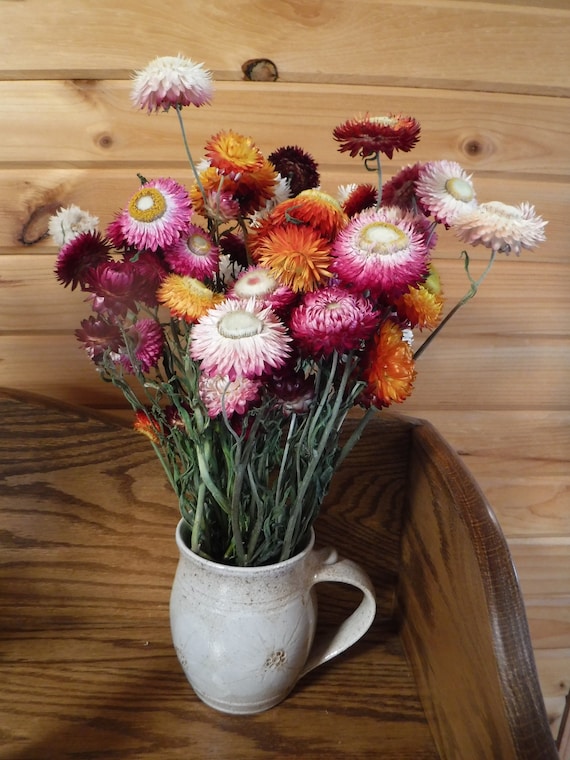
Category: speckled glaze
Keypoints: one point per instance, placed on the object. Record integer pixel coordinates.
(244, 636)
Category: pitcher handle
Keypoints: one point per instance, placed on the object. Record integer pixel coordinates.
(339, 570)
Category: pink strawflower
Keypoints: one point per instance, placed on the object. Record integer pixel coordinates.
(239, 338)
(156, 216)
(332, 319)
(219, 394)
(79, 256)
(145, 342)
(149, 271)
(171, 81)
(99, 337)
(194, 254)
(501, 227)
(373, 254)
(445, 190)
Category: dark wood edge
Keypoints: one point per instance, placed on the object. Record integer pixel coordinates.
(518, 675)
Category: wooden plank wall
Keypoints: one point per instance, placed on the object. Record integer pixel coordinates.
(489, 82)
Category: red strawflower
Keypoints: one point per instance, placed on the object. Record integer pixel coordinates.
(369, 135)
(82, 254)
(99, 337)
(296, 166)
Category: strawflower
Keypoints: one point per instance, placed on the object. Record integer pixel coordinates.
(171, 81)
(245, 315)
(368, 135)
(501, 227)
(239, 338)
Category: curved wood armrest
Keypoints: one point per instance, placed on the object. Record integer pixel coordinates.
(463, 622)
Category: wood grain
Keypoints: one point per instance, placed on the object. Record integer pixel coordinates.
(359, 42)
(87, 665)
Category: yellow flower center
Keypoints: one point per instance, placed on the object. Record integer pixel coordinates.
(199, 245)
(383, 239)
(239, 324)
(459, 189)
(147, 205)
(384, 121)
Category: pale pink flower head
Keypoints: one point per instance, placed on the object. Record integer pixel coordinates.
(171, 81)
(376, 254)
(501, 227)
(239, 338)
(220, 395)
(332, 319)
(445, 190)
(259, 283)
(194, 254)
(155, 217)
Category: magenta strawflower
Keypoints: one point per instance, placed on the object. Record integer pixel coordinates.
(332, 319)
(145, 341)
(194, 254)
(171, 81)
(113, 287)
(220, 394)
(445, 190)
(239, 338)
(380, 256)
(155, 217)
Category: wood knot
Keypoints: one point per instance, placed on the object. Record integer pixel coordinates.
(35, 228)
(105, 141)
(260, 70)
(477, 147)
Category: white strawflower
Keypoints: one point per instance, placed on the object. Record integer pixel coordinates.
(70, 222)
(501, 227)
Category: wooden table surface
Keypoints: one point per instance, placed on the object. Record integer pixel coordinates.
(86, 662)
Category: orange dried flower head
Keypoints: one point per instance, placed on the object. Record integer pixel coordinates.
(232, 153)
(389, 371)
(187, 297)
(147, 425)
(311, 207)
(297, 256)
(420, 307)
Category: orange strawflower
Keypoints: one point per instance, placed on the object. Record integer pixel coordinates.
(311, 207)
(420, 307)
(147, 426)
(389, 369)
(187, 297)
(296, 256)
(232, 153)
